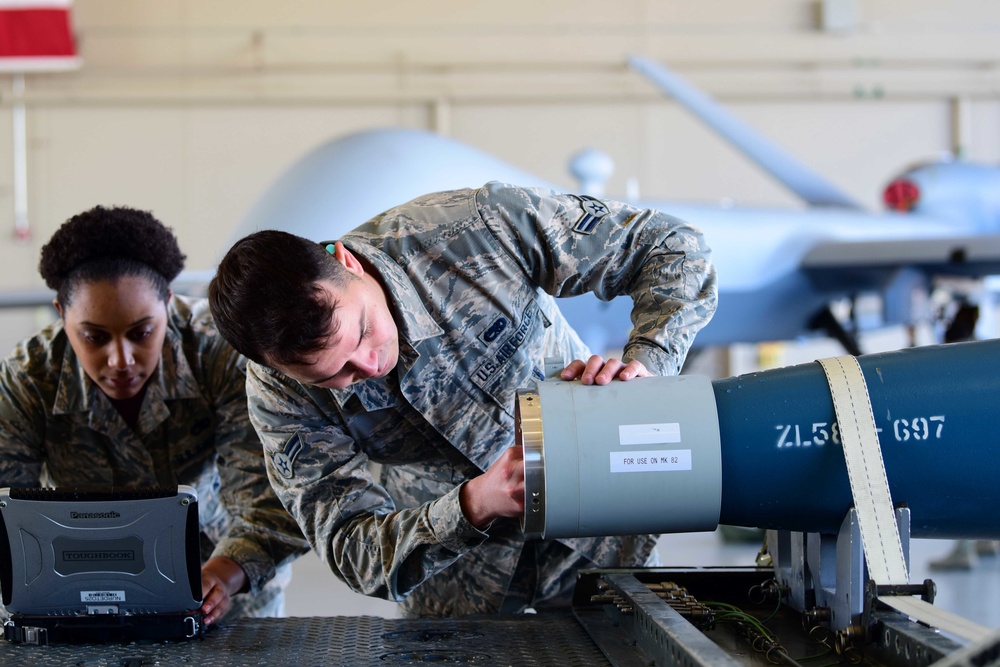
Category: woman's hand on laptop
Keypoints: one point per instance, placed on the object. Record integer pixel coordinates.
(221, 578)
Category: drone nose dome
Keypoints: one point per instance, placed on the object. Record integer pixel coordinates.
(592, 168)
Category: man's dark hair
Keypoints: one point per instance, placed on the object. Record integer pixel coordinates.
(266, 299)
(108, 244)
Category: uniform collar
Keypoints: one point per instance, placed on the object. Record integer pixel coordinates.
(379, 393)
(173, 379)
(415, 323)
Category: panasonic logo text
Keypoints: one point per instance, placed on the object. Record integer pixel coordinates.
(94, 515)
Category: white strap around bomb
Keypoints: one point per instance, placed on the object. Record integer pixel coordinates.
(869, 483)
(872, 500)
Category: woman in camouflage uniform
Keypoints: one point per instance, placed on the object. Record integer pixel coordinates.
(133, 387)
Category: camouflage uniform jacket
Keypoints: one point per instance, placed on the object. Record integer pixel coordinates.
(58, 428)
(470, 275)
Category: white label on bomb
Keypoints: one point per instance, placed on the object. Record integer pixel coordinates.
(655, 461)
(649, 434)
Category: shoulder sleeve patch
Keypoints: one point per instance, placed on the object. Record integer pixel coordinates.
(284, 461)
(594, 211)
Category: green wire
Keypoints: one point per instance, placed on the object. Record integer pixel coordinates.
(774, 613)
(735, 613)
(817, 656)
(730, 613)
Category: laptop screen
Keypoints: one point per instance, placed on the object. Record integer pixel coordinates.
(88, 553)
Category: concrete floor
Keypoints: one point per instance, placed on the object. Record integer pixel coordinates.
(974, 594)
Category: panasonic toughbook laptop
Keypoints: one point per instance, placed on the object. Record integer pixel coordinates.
(80, 566)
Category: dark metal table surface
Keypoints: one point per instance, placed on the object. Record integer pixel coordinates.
(554, 639)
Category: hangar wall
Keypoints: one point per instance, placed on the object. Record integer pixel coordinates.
(191, 109)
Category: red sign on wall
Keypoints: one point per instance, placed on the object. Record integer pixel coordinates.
(35, 35)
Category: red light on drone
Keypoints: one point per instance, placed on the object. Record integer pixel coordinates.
(901, 195)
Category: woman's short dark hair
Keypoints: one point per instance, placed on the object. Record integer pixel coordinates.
(266, 298)
(108, 244)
